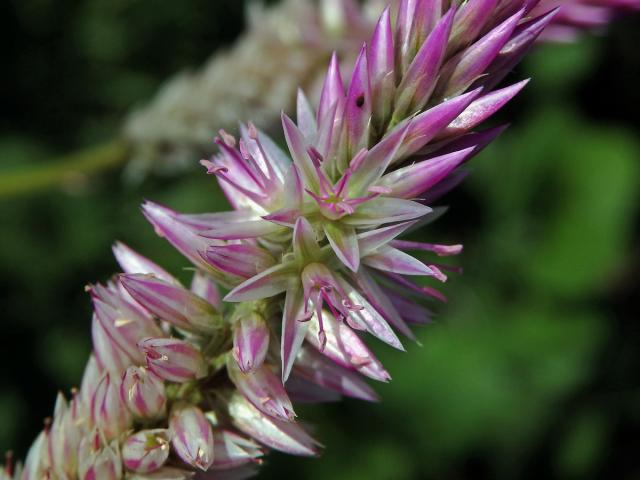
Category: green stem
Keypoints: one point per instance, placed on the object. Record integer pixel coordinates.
(65, 169)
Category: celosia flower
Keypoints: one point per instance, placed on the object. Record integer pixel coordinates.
(312, 255)
(143, 392)
(192, 437)
(173, 360)
(147, 450)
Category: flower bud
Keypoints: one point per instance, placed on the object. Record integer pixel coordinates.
(192, 437)
(172, 303)
(98, 460)
(143, 392)
(250, 342)
(108, 412)
(263, 389)
(286, 437)
(35, 466)
(132, 262)
(233, 450)
(173, 360)
(146, 451)
(107, 353)
(64, 437)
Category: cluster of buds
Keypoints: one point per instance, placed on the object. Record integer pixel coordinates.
(185, 382)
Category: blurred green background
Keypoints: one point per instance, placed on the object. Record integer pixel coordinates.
(530, 371)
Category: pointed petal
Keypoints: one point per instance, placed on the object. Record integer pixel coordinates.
(250, 341)
(344, 243)
(242, 260)
(481, 109)
(427, 125)
(368, 317)
(293, 189)
(478, 140)
(332, 90)
(316, 368)
(241, 230)
(263, 389)
(345, 347)
(232, 450)
(266, 284)
(421, 76)
(305, 244)
(132, 262)
(293, 330)
(173, 360)
(192, 437)
(172, 303)
(385, 210)
(357, 111)
(516, 48)
(463, 69)
(470, 20)
(389, 259)
(381, 68)
(179, 234)
(286, 437)
(378, 159)
(414, 180)
(298, 149)
(373, 239)
(285, 217)
(381, 302)
(306, 118)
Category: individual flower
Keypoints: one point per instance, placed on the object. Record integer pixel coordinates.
(173, 360)
(143, 392)
(146, 451)
(192, 437)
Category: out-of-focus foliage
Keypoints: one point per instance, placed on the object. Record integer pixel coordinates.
(529, 372)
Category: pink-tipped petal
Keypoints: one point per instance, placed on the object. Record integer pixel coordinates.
(192, 437)
(143, 393)
(250, 341)
(173, 360)
(132, 262)
(268, 283)
(344, 243)
(386, 210)
(146, 451)
(373, 239)
(389, 259)
(345, 347)
(233, 450)
(263, 389)
(462, 70)
(293, 330)
(412, 181)
(172, 303)
(284, 436)
(425, 126)
(298, 149)
(316, 368)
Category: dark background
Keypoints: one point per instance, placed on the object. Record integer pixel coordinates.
(531, 369)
